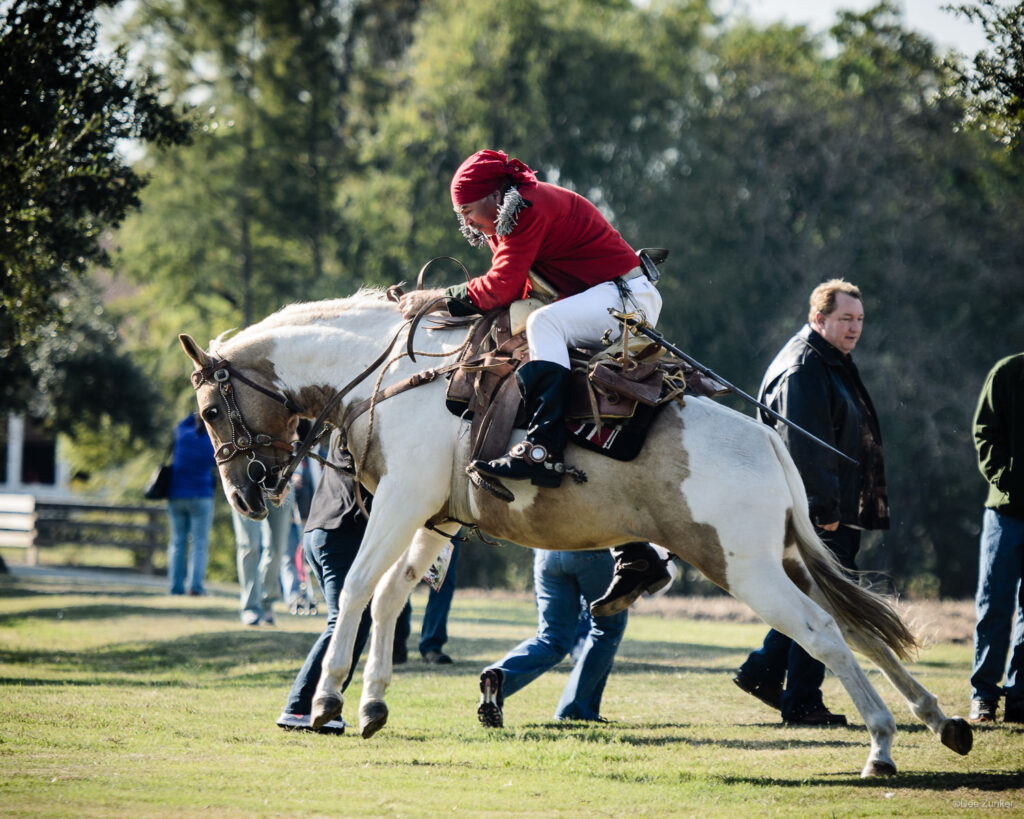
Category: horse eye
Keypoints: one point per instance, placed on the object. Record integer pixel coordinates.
(210, 414)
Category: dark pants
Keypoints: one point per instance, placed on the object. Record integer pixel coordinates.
(330, 554)
(434, 629)
(780, 660)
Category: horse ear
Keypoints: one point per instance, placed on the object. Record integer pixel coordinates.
(194, 351)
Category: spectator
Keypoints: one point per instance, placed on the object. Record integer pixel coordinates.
(190, 506)
(814, 383)
(334, 530)
(999, 439)
(260, 547)
(560, 579)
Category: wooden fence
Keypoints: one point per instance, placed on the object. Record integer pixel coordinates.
(32, 523)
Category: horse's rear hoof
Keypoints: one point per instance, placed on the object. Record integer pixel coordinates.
(372, 717)
(957, 734)
(878, 767)
(324, 710)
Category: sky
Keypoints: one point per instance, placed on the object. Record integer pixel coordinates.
(927, 17)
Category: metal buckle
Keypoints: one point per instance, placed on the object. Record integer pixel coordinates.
(221, 375)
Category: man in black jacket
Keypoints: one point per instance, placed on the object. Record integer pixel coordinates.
(814, 383)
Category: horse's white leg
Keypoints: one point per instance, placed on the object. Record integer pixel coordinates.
(396, 515)
(776, 599)
(955, 732)
(388, 601)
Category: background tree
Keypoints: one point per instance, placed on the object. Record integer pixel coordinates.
(63, 110)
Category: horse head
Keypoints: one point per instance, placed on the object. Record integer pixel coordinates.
(251, 425)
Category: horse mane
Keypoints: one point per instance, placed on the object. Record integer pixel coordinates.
(301, 314)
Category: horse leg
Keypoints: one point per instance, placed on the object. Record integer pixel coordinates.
(777, 600)
(954, 732)
(396, 515)
(388, 601)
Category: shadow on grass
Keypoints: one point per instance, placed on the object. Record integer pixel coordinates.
(215, 653)
(924, 781)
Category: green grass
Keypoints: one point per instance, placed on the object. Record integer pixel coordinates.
(125, 702)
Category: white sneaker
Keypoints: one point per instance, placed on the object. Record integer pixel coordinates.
(250, 618)
(303, 722)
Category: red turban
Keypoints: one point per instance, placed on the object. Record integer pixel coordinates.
(483, 173)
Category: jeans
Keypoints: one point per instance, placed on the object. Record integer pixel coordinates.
(1000, 592)
(260, 546)
(330, 554)
(781, 660)
(560, 579)
(190, 517)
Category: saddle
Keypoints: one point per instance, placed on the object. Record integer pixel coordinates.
(612, 390)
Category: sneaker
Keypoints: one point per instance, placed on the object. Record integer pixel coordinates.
(770, 695)
(437, 658)
(491, 700)
(303, 722)
(983, 711)
(268, 618)
(250, 618)
(817, 717)
(1013, 711)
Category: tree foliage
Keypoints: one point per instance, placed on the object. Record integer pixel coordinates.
(766, 159)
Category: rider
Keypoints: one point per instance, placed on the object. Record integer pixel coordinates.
(564, 238)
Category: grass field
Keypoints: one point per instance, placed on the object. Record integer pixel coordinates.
(121, 701)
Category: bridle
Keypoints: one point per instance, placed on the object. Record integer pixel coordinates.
(219, 374)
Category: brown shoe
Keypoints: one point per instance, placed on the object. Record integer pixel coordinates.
(770, 695)
(983, 711)
(817, 717)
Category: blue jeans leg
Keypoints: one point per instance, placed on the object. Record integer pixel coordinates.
(248, 545)
(200, 520)
(276, 528)
(1000, 566)
(329, 555)
(557, 613)
(177, 546)
(434, 630)
(581, 698)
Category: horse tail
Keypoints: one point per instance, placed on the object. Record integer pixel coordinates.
(858, 607)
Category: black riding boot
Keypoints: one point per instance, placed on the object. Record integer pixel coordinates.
(638, 569)
(538, 457)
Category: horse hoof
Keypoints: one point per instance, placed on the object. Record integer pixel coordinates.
(372, 717)
(957, 734)
(878, 767)
(324, 710)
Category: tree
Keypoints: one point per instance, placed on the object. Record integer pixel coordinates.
(63, 109)
(994, 82)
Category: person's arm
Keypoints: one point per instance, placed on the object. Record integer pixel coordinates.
(990, 438)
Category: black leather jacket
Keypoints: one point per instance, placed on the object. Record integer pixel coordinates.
(817, 387)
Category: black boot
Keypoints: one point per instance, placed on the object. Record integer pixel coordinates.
(638, 569)
(538, 457)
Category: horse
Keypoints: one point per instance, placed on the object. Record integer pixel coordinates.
(715, 487)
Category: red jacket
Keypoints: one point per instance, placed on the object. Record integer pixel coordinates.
(561, 236)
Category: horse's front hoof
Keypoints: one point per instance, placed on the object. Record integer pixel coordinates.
(373, 716)
(325, 709)
(957, 734)
(878, 767)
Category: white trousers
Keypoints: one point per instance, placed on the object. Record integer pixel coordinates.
(583, 319)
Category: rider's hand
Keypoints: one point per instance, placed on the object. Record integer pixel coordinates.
(830, 527)
(411, 303)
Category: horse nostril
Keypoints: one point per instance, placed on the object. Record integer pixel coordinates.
(240, 503)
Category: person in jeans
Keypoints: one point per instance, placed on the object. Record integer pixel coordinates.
(334, 530)
(260, 547)
(814, 382)
(190, 506)
(999, 440)
(560, 580)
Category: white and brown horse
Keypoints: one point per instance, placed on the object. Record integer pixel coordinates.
(713, 486)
